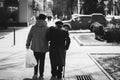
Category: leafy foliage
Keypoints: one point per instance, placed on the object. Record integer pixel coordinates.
(63, 7)
(59, 7)
(11, 2)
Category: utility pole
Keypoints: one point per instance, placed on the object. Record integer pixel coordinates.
(78, 6)
(44, 5)
(106, 8)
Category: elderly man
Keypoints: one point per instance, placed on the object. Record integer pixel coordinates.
(59, 42)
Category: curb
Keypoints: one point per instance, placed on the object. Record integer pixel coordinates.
(101, 68)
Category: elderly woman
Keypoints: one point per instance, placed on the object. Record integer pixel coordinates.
(38, 43)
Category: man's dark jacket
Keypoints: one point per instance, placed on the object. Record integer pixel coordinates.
(59, 43)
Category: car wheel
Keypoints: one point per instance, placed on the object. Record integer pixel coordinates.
(91, 28)
(67, 27)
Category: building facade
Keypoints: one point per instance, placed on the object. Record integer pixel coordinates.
(19, 12)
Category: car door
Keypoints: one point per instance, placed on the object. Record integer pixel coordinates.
(81, 22)
(84, 22)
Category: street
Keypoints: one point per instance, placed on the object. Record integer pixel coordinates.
(93, 26)
(12, 58)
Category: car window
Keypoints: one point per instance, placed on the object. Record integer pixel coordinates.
(82, 18)
(77, 18)
(99, 18)
(85, 18)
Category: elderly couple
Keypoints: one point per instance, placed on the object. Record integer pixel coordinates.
(55, 39)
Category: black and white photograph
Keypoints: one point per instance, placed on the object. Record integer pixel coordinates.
(59, 39)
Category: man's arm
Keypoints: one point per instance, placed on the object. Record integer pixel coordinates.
(67, 41)
(29, 39)
(48, 33)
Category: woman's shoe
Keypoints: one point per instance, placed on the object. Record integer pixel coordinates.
(60, 78)
(53, 78)
(40, 78)
(34, 77)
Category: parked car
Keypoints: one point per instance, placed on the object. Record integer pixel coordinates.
(98, 18)
(84, 21)
(106, 28)
(78, 22)
(112, 31)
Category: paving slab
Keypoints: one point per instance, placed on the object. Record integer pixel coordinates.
(78, 62)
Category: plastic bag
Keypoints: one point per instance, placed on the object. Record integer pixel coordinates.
(30, 59)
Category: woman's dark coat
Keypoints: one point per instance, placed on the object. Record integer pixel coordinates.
(37, 37)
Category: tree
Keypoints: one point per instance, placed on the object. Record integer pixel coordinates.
(11, 3)
(90, 6)
(69, 9)
(59, 7)
(63, 7)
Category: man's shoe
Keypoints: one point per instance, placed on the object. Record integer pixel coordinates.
(60, 78)
(34, 77)
(53, 78)
(41, 78)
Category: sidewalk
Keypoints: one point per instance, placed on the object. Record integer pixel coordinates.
(12, 59)
(7, 36)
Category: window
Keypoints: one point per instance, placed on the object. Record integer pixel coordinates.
(1, 4)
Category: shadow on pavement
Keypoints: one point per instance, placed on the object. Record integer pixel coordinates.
(31, 79)
(9, 30)
(27, 79)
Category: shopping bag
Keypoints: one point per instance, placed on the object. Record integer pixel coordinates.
(30, 59)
